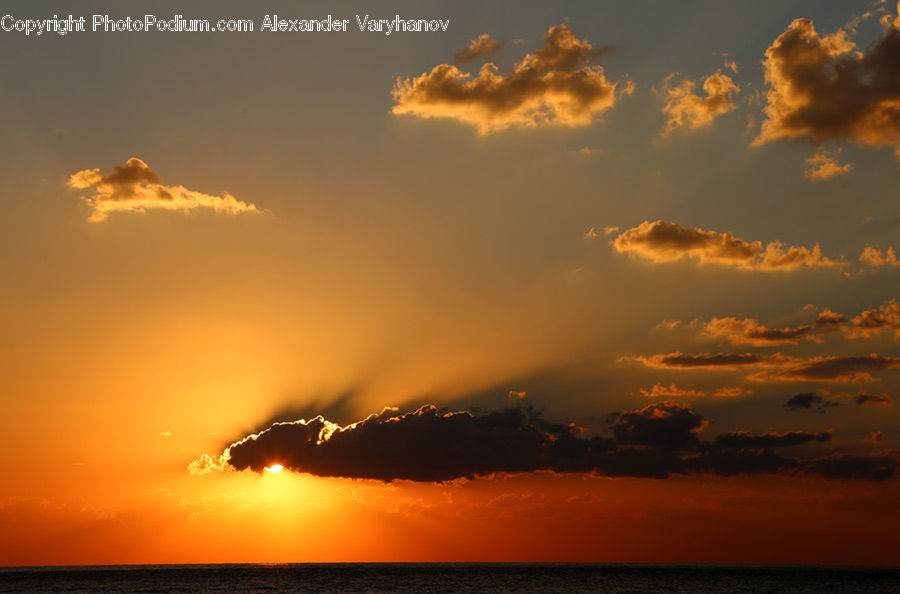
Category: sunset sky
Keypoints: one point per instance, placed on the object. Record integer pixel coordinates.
(571, 281)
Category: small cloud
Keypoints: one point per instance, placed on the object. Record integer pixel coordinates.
(876, 437)
(587, 151)
(659, 241)
(822, 166)
(135, 188)
(809, 401)
(686, 109)
(867, 399)
(485, 45)
(668, 324)
(727, 392)
(876, 258)
(670, 391)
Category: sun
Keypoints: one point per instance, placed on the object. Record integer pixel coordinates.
(274, 468)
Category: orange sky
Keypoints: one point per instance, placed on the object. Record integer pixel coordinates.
(588, 218)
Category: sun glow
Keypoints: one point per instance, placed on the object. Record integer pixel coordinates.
(274, 468)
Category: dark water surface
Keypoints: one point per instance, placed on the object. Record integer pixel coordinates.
(447, 577)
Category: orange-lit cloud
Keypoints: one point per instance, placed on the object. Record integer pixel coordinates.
(814, 369)
(732, 392)
(749, 331)
(823, 166)
(831, 369)
(660, 241)
(554, 85)
(870, 322)
(876, 320)
(684, 108)
(134, 187)
(823, 87)
(485, 45)
(876, 258)
(429, 445)
(726, 361)
(670, 391)
(868, 399)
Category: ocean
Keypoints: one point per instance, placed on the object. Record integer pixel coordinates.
(448, 577)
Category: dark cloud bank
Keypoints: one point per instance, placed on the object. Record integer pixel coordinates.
(429, 444)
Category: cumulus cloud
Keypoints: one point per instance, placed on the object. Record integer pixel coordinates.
(431, 445)
(554, 85)
(876, 258)
(134, 187)
(823, 87)
(684, 108)
(823, 166)
(831, 369)
(875, 321)
(484, 45)
(660, 241)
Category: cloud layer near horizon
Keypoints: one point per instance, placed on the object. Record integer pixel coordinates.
(134, 187)
(554, 85)
(431, 445)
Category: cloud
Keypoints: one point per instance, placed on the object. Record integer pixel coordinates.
(485, 45)
(679, 360)
(831, 369)
(876, 258)
(747, 440)
(875, 321)
(733, 392)
(748, 331)
(134, 187)
(686, 109)
(554, 85)
(809, 401)
(670, 391)
(430, 445)
(868, 399)
(822, 166)
(667, 425)
(876, 437)
(785, 368)
(823, 87)
(660, 241)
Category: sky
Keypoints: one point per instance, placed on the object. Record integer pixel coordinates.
(577, 281)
